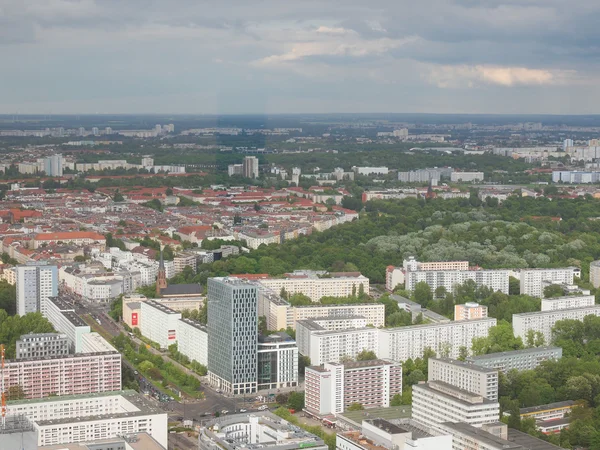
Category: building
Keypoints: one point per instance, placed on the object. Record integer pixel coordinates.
(250, 167)
(94, 343)
(367, 171)
(551, 411)
(496, 280)
(472, 378)
(470, 311)
(595, 273)
(91, 417)
(331, 388)
(569, 302)
(277, 361)
(373, 313)
(394, 276)
(235, 169)
(532, 280)
(183, 260)
(317, 285)
(232, 335)
(64, 319)
(466, 177)
(41, 345)
(436, 402)
(411, 264)
(132, 309)
(544, 321)
(35, 283)
(192, 340)
(492, 436)
(83, 373)
(445, 339)
(324, 346)
(161, 276)
(53, 166)
(526, 359)
(262, 430)
(79, 238)
(380, 434)
(159, 323)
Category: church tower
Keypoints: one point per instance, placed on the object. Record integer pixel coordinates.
(161, 278)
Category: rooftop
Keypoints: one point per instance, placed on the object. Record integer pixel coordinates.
(483, 436)
(160, 306)
(182, 289)
(525, 351)
(529, 442)
(549, 406)
(466, 365)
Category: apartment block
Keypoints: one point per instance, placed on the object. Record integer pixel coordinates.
(470, 311)
(319, 284)
(332, 387)
(65, 375)
(569, 302)
(322, 345)
(496, 280)
(35, 283)
(436, 402)
(493, 436)
(277, 361)
(41, 345)
(526, 359)
(159, 323)
(412, 265)
(183, 260)
(63, 318)
(532, 280)
(91, 417)
(394, 276)
(595, 273)
(479, 380)
(544, 321)
(192, 340)
(400, 344)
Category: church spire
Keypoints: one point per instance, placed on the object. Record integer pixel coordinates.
(161, 278)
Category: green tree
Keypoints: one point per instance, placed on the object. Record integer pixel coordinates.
(366, 355)
(554, 290)
(355, 407)
(422, 294)
(296, 401)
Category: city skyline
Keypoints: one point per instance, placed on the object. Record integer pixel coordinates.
(104, 57)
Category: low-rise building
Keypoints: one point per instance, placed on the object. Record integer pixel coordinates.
(332, 387)
(526, 359)
(551, 411)
(260, 429)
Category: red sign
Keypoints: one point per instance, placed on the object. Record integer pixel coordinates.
(134, 319)
(171, 335)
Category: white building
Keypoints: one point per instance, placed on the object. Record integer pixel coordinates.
(470, 311)
(532, 280)
(159, 323)
(192, 340)
(569, 302)
(526, 359)
(472, 378)
(544, 321)
(466, 177)
(277, 361)
(497, 280)
(595, 273)
(373, 313)
(84, 418)
(319, 284)
(35, 283)
(41, 345)
(405, 434)
(332, 387)
(491, 436)
(64, 319)
(250, 167)
(323, 346)
(370, 170)
(445, 339)
(436, 402)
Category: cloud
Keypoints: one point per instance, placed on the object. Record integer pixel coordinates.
(446, 76)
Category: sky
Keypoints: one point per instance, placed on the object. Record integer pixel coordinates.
(301, 56)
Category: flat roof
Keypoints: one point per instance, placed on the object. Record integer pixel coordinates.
(72, 317)
(383, 424)
(466, 365)
(529, 442)
(194, 324)
(555, 405)
(160, 307)
(38, 335)
(481, 435)
(390, 413)
(555, 311)
(525, 351)
(449, 390)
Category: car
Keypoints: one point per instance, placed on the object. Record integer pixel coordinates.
(135, 372)
(263, 407)
(243, 410)
(224, 412)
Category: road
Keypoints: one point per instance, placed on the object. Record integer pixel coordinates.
(181, 441)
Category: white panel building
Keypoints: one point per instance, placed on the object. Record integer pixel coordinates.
(159, 323)
(526, 359)
(85, 418)
(569, 302)
(532, 280)
(476, 379)
(63, 319)
(400, 344)
(35, 283)
(497, 280)
(544, 321)
(192, 340)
